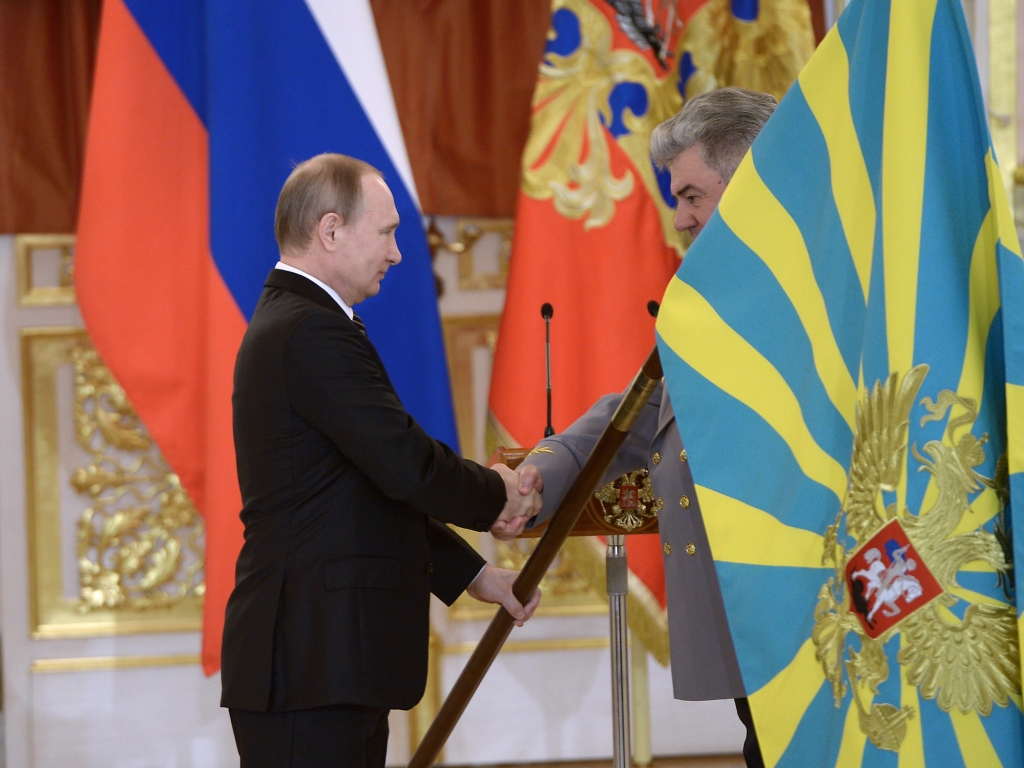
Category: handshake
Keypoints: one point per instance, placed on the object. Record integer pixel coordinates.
(493, 584)
(522, 491)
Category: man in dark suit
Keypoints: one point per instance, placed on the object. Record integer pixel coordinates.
(345, 497)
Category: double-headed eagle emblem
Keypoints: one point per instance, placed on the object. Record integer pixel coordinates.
(899, 576)
(628, 502)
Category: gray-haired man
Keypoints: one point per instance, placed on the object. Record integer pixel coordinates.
(701, 146)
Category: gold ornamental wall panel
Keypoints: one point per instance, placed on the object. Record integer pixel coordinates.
(463, 336)
(491, 237)
(115, 544)
(468, 233)
(38, 257)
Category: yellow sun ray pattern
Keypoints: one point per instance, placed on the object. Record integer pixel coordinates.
(851, 749)
(744, 534)
(977, 597)
(1001, 204)
(717, 352)
(1015, 425)
(903, 159)
(975, 746)
(984, 303)
(977, 567)
(912, 749)
(874, 201)
(825, 88)
(764, 225)
(781, 703)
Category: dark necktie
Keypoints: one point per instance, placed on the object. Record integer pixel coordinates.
(359, 323)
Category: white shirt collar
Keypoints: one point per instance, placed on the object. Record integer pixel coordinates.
(330, 291)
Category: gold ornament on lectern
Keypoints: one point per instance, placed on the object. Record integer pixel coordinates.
(629, 501)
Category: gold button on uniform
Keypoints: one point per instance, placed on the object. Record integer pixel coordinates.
(668, 548)
(690, 549)
(682, 455)
(656, 458)
(684, 501)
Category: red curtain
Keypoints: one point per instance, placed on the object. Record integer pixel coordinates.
(47, 50)
(463, 72)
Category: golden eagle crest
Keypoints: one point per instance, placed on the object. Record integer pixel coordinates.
(628, 502)
(900, 576)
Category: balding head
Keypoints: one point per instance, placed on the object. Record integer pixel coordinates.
(327, 183)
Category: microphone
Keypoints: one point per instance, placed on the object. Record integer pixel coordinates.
(546, 311)
(652, 308)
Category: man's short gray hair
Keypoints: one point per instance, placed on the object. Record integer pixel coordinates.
(724, 123)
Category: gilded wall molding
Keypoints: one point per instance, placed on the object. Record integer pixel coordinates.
(106, 663)
(26, 250)
(462, 337)
(139, 549)
(468, 234)
(1002, 96)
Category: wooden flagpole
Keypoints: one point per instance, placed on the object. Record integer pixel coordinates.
(529, 578)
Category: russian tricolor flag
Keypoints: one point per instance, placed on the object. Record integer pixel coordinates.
(200, 109)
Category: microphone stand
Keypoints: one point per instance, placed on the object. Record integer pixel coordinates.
(546, 311)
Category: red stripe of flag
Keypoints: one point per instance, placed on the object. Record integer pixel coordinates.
(158, 311)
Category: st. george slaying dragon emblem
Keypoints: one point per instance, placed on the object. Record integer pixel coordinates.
(899, 575)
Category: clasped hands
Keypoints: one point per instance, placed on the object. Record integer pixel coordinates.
(523, 502)
(522, 491)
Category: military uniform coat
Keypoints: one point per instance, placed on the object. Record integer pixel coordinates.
(704, 663)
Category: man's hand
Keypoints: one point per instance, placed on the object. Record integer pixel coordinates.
(494, 585)
(529, 478)
(523, 501)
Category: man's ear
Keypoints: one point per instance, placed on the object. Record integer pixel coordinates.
(329, 230)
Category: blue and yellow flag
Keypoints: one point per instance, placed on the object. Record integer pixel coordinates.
(844, 346)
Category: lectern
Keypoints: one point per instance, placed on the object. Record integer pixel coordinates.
(622, 507)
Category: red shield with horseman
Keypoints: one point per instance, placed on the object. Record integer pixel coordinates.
(888, 580)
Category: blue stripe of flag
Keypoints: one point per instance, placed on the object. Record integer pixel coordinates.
(272, 94)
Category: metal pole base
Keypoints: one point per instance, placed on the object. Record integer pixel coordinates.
(618, 587)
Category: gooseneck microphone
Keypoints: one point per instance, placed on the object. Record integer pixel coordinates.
(652, 308)
(546, 311)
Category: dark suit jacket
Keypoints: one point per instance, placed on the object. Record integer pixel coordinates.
(343, 493)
